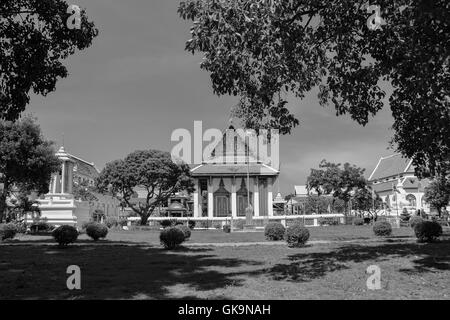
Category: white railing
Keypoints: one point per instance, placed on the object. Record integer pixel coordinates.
(307, 220)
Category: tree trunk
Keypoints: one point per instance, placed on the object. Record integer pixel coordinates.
(3, 206)
(144, 220)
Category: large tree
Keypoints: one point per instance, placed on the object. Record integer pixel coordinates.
(365, 201)
(34, 41)
(437, 194)
(266, 50)
(152, 170)
(84, 192)
(27, 160)
(340, 181)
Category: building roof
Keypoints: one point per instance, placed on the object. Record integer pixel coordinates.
(391, 166)
(303, 191)
(84, 167)
(236, 160)
(233, 170)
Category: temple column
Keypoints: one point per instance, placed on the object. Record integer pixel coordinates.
(196, 198)
(255, 197)
(233, 198)
(210, 198)
(270, 196)
(63, 178)
(69, 177)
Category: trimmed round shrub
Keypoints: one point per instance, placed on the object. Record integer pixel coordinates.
(428, 231)
(7, 231)
(186, 231)
(191, 224)
(171, 237)
(296, 235)
(274, 231)
(358, 221)
(96, 230)
(65, 235)
(414, 221)
(382, 229)
(227, 228)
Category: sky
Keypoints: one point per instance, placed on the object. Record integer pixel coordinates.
(135, 85)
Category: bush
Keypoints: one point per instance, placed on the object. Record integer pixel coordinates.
(171, 237)
(111, 222)
(186, 231)
(7, 231)
(274, 231)
(239, 224)
(84, 225)
(328, 221)
(217, 225)
(170, 223)
(358, 221)
(382, 228)
(123, 223)
(204, 224)
(96, 230)
(41, 226)
(414, 221)
(227, 228)
(21, 227)
(296, 235)
(191, 224)
(428, 231)
(65, 235)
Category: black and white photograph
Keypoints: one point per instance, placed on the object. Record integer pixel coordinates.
(223, 155)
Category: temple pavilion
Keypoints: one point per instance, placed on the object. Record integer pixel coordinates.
(228, 181)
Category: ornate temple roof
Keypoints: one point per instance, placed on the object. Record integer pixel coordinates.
(84, 167)
(391, 166)
(237, 161)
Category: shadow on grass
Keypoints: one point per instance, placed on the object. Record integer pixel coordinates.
(114, 272)
(433, 257)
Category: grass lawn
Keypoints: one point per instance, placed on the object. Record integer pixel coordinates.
(132, 270)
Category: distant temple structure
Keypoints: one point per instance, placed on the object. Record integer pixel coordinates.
(394, 180)
(59, 206)
(228, 181)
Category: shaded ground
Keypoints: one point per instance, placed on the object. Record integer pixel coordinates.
(132, 271)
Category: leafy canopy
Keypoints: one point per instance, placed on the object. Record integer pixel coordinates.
(265, 50)
(437, 194)
(34, 41)
(337, 180)
(27, 160)
(152, 170)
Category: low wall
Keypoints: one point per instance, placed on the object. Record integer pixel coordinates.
(219, 222)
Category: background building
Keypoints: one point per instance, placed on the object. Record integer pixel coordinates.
(394, 180)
